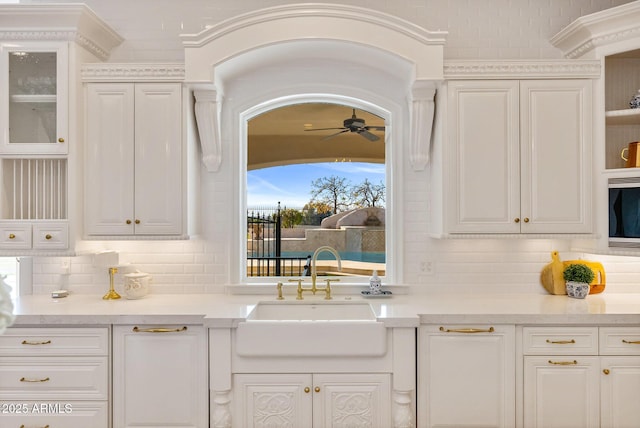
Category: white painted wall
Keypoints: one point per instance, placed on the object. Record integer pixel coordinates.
(478, 29)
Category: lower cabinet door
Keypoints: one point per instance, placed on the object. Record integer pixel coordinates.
(466, 376)
(67, 414)
(272, 400)
(312, 401)
(160, 376)
(561, 392)
(619, 388)
(351, 400)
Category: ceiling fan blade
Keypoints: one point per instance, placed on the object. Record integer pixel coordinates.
(375, 128)
(369, 136)
(337, 133)
(322, 129)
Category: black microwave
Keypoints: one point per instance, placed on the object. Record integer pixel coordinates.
(624, 212)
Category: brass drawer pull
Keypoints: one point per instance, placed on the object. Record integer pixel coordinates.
(307, 389)
(60, 140)
(561, 342)
(563, 363)
(317, 389)
(12, 236)
(28, 342)
(24, 379)
(632, 342)
(467, 330)
(158, 330)
(23, 426)
(606, 371)
(47, 237)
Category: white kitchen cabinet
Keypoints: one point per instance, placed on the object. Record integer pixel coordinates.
(34, 97)
(160, 376)
(466, 376)
(55, 376)
(134, 161)
(318, 400)
(581, 376)
(519, 156)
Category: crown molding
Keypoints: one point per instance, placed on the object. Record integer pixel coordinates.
(521, 69)
(617, 25)
(125, 72)
(63, 22)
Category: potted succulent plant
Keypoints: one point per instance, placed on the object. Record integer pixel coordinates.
(578, 278)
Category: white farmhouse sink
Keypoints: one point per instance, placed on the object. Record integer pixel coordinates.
(311, 329)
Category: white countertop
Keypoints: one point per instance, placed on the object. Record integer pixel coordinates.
(224, 310)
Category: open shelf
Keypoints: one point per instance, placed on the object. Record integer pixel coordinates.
(33, 98)
(623, 117)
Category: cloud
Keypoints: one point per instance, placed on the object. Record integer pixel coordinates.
(356, 168)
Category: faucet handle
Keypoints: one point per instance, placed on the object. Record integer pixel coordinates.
(279, 287)
(327, 290)
(299, 281)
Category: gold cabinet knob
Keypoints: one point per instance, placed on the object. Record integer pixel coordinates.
(316, 389)
(526, 219)
(606, 371)
(47, 237)
(128, 221)
(12, 236)
(307, 389)
(60, 140)
(137, 221)
(517, 220)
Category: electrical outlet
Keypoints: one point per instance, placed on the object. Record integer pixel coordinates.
(426, 267)
(66, 266)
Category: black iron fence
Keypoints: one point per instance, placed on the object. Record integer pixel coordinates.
(264, 245)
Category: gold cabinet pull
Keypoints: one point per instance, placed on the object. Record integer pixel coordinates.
(47, 237)
(24, 379)
(159, 330)
(128, 221)
(606, 371)
(516, 220)
(316, 389)
(12, 236)
(60, 140)
(307, 389)
(137, 221)
(467, 330)
(526, 219)
(561, 342)
(631, 342)
(45, 426)
(563, 363)
(29, 342)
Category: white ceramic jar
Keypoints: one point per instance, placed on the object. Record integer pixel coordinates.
(136, 285)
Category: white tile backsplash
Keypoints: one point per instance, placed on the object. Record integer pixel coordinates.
(478, 29)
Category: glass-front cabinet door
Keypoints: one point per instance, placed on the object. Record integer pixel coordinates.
(34, 94)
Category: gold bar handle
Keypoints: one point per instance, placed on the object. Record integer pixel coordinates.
(28, 342)
(159, 330)
(561, 342)
(631, 342)
(24, 379)
(467, 330)
(563, 363)
(23, 426)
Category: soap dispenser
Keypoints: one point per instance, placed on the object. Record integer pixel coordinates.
(375, 283)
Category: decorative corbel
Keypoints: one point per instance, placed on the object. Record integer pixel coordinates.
(422, 116)
(207, 107)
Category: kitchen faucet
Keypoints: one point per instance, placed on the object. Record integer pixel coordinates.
(314, 274)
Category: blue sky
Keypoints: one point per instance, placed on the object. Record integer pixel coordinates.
(291, 185)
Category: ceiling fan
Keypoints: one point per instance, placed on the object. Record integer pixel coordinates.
(353, 124)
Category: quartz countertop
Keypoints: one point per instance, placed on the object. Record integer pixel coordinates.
(408, 310)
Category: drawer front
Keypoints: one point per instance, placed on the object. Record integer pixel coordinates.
(54, 341)
(560, 340)
(15, 236)
(620, 340)
(60, 378)
(68, 414)
(50, 236)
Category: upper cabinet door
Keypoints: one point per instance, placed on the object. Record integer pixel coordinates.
(484, 161)
(34, 98)
(109, 159)
(556, 128)
(158, 155)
